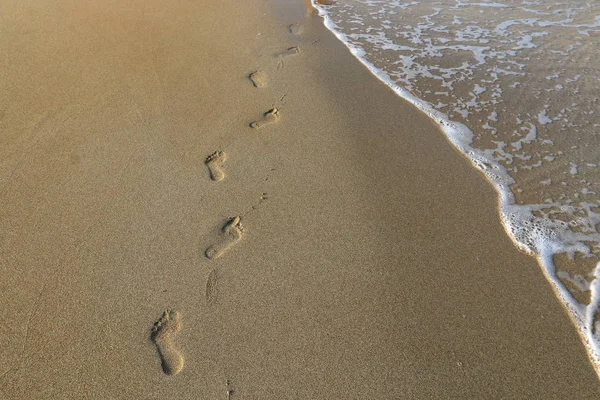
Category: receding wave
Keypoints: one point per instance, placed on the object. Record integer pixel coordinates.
(515, 86)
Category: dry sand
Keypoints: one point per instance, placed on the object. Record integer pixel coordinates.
(371, 263)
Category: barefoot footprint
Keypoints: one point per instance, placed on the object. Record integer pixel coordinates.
(290, 51)
(214, 163)
(232, 232)
(296, 29)
(269, 117)
(163, 335)
(258, 78)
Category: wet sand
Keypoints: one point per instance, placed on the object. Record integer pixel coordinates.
(341, 250)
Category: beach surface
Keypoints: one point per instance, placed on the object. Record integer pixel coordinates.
(215, 199)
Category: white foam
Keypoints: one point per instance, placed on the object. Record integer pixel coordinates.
(543, 118)
(574, 169)
(478, 89)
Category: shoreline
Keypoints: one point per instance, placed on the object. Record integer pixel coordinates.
(356, 275)
(514, 217)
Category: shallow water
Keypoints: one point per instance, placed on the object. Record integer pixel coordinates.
(515, 85)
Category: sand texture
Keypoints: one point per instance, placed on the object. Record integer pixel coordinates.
(371, 264)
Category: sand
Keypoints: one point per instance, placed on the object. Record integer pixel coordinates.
(359, 255)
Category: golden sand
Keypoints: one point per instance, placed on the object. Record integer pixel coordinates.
(357, 273)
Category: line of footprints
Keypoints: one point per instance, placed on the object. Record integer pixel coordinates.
(168, 326)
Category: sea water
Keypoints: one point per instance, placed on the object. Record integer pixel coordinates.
(515, 86)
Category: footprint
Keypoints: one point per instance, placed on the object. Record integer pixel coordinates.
(232, 232)
(163, 334)
(214, 163)
(296, 29)
(289, 52)
(269, 117)
(212, 286)
(258, 78)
